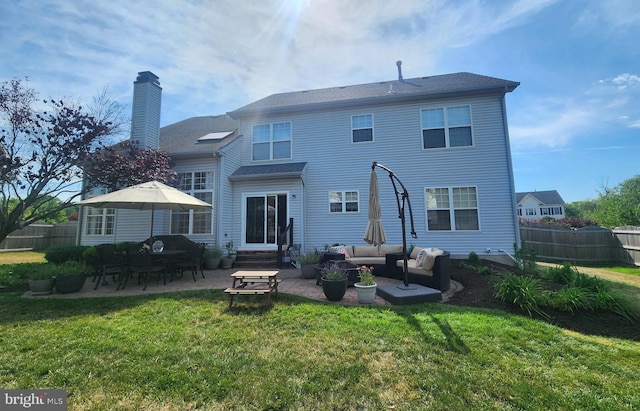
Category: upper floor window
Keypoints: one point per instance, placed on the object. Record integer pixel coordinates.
(200, 185)
(362, 128)
(455, 207)
(446, 127)
(272, 141)
(343, 201)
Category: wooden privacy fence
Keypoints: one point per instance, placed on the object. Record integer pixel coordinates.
(39, 236)
(589, 245)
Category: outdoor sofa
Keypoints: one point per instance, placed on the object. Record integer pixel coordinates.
(433, 272)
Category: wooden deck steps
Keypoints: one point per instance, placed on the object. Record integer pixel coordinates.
(256, 259)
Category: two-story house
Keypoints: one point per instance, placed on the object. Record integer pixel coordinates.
(306, 156)
(534, 205)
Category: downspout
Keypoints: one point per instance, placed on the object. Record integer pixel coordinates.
(516, 224)
(218, 212)
(508, 255)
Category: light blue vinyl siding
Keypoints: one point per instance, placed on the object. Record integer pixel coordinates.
(334, 164)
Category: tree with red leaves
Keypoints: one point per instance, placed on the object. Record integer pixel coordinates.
(43, 152)
(123, 165)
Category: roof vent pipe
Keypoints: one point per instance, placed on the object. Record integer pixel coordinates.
(399, 64)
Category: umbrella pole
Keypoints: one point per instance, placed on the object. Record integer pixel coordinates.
(151, 230)
(405, 200)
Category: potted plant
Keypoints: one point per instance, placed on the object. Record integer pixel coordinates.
(212, 257)
(70, 277)
(230, 255)
(230, 251)
(41, 279)
(366, 288)
(334, 282)
(307, 262)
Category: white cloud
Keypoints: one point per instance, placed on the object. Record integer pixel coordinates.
(557, 122)
(216, 56)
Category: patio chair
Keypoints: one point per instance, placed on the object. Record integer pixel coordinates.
(109, 261)
(193, 260)
(140, 261)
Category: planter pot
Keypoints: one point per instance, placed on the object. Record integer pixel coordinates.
(227, 263)
(211, 263)
(308, 271)
(70, 283)
(366, 293)
(41, 287)
(334, 290)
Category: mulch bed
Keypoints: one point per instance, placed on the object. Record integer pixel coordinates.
(478, 292)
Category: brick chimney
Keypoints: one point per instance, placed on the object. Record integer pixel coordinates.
(145, 110)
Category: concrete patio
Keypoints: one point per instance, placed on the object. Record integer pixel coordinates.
(291, 283)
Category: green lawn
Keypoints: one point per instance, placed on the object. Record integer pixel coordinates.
(187, 350)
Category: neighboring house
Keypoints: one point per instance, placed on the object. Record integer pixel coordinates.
(535, 205)
(306, 157)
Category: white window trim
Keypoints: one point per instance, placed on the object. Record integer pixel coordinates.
(343, 202)
(451, 209)
(373, 133)
(447, 144)
(272, 141)
(104, 215)
(191, 192)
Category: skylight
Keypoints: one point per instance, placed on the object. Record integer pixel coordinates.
(215, 136)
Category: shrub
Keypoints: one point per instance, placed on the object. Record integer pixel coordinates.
(571, 299)
(569, 275)
(525, 260)
(309, 258)
(16, 274)
(524, 292)
(60, 254)
(473, 257)
(214, 252)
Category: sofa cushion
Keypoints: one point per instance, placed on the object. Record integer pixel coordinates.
(365, 251)
(430, 259)
(388, 249)
(414, 253)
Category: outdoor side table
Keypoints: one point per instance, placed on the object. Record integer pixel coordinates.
(390, 263)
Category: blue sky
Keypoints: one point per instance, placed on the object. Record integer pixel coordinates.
(574, 120)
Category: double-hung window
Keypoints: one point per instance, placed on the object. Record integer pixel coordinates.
(343, 202)
(200, 185)
(100, 221)
(272, 141)
(446, 127)
(452, 209)
(362, 128)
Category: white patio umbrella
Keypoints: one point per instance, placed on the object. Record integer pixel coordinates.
(374, 233)
(152, 195)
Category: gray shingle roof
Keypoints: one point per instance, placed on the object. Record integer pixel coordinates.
(181, 138)
(545, 197)
(268, 171)
(383, 92)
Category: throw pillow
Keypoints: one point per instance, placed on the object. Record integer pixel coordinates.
(421, 256)
(339, 249)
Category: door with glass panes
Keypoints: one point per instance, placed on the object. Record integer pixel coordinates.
(266, 217)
